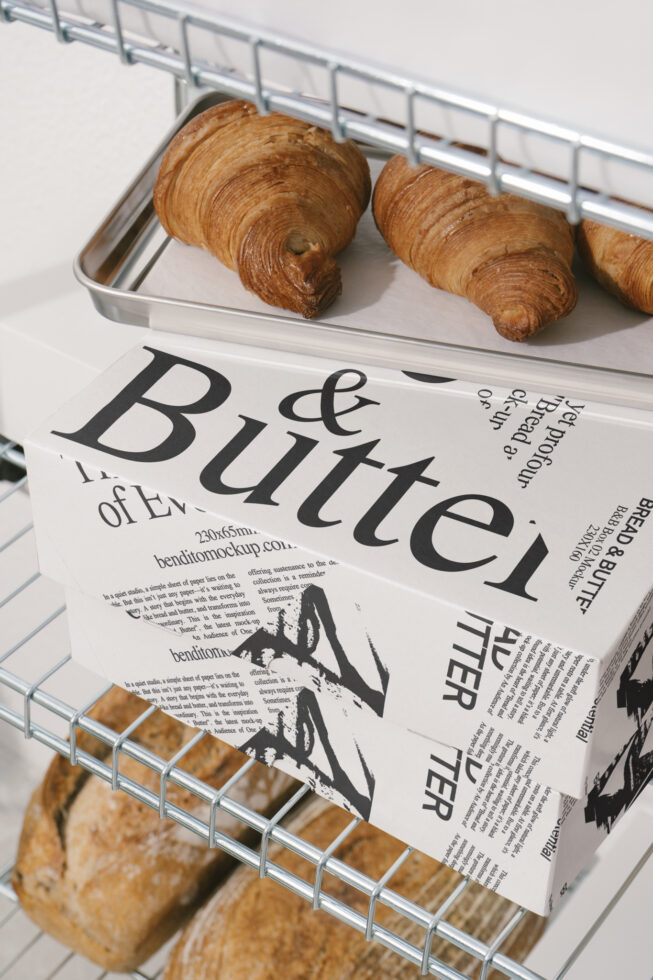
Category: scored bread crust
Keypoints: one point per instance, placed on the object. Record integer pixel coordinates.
(259, 930)
(99, 870)
(271, 197)
(509, 256)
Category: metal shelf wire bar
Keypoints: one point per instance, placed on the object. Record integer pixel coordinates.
(271, 829)
(264, 826)
(564, 194)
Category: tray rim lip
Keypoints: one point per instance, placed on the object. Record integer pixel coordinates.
(343, 329)
(103, 294)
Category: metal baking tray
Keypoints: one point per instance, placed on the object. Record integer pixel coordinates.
(116, 261)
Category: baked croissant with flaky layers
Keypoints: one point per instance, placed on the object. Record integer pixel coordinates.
(269, 196)
(621, 263)
(509, 256)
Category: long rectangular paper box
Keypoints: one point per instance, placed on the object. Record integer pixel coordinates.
(512, 834)
(493, 546)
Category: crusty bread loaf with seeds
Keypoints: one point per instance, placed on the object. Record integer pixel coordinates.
(256, 929)
(99, 870)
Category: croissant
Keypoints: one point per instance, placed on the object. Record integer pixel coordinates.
(509, 256)
(269, 196)
(621, 263)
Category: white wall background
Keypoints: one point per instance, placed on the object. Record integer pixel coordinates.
(76, 125)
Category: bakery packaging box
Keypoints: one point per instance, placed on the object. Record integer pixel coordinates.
(491, 547)
(481, 816)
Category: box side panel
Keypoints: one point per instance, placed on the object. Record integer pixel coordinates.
(625, 693)
(424, 665)
(614, 791)
(51, 514)
(478, 817)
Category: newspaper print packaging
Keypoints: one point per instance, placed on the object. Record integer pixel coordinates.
(490, 546)
(511, 833)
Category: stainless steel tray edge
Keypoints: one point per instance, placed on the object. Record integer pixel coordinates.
(115, 250)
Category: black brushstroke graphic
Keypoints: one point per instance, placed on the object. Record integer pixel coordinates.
(636, 695)
(604, 809)
(314, 619)
(429, 379)
(299, 745)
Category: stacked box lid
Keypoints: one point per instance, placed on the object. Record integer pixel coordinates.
(471, 565)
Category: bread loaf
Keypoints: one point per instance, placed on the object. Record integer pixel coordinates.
(621, 263)
(100, 871)
(269, 196)
(259, 930)
(509, 256)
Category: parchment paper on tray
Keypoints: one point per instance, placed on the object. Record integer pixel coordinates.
(381, 294)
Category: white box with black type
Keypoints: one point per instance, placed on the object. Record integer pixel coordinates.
(511, 833)
(479, 565)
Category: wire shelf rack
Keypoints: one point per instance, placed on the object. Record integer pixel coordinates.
(178, 58)
(48, 719)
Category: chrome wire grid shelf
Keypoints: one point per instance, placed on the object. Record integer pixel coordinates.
(30, 695)
(566, 194)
